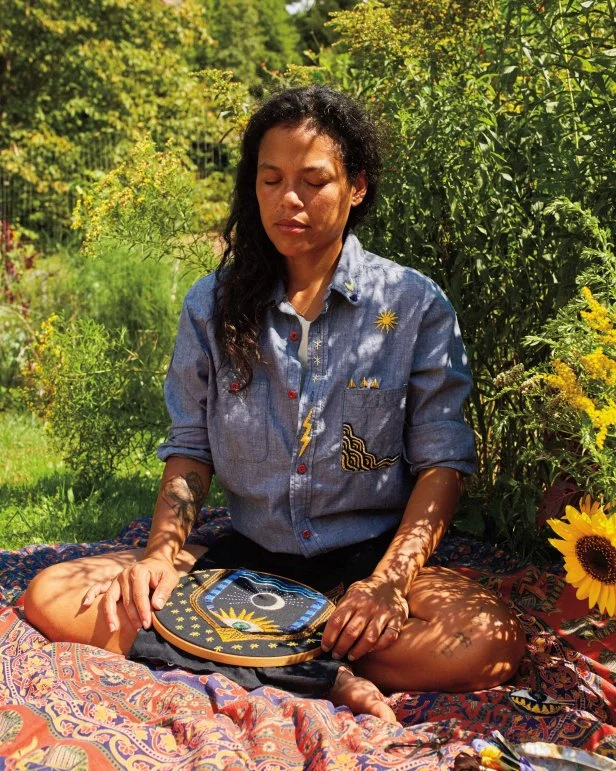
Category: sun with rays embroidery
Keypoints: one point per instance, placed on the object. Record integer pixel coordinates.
(386, 321)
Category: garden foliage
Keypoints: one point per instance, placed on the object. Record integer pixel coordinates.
(493, 113)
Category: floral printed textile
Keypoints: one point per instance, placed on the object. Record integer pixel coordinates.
(74, 706)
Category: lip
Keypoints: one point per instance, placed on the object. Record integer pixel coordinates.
(291, 226)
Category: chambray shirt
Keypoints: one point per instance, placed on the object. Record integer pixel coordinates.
(310, 469)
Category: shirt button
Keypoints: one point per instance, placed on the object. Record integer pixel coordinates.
(234, 387)
(306, 534)
(353, 297)
(292, 394)
(302, 468)
(293, 336)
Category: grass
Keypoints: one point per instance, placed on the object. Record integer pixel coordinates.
(40, 502)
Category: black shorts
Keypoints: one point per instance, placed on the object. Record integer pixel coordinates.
(330, 573)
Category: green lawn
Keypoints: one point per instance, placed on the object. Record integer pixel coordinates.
(38, 503)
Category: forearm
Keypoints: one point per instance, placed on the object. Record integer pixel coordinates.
(183, 489)
(428, 513)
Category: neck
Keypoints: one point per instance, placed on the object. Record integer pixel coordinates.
(307, 282)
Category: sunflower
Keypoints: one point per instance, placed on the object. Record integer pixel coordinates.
(589, 547)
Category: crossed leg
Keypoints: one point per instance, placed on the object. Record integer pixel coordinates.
(458, 637)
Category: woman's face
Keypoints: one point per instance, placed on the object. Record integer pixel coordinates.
(303, 192)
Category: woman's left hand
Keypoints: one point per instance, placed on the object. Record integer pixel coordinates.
(368, 618)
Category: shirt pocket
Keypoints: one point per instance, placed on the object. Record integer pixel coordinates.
(241, 422)
(372, 428)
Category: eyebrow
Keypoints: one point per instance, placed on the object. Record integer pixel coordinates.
(272, 167)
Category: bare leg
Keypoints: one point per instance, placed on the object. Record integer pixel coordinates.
(459, 637)
(53, 602)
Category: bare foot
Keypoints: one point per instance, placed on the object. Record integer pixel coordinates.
(360, 696)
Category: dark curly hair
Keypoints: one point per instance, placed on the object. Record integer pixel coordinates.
(251, 266)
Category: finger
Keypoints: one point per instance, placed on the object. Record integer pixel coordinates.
(95, 591)
(351, 632)
(165, 586)
(110, 605)
(388, 637)
(141, 578)
(334, 626)
(126, 580)
(370, 638)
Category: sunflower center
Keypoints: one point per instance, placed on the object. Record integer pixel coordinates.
(598, 558)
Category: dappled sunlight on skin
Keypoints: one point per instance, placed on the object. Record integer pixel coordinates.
(459, 637)
(54, 600)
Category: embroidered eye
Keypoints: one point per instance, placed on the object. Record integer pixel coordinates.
(246, 621)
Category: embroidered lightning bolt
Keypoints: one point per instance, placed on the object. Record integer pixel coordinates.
(307, 435)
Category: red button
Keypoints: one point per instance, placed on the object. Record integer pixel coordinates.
(306, 534)
(294, 336)
(234, 387)
(292, 394)
(302, 468)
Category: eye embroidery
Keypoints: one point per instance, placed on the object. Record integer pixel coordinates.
(246, 621)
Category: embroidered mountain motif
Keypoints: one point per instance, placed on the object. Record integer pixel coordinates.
(355, 455)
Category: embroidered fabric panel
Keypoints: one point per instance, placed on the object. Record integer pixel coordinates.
(356, 456)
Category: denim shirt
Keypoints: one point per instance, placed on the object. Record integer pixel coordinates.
(314, 469)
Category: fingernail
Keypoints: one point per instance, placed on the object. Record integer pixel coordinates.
(351, 657)
(336, 656)
(326, 648)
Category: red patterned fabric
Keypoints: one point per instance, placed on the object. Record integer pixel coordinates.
(73, 706)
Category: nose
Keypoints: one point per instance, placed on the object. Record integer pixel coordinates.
(291, 199)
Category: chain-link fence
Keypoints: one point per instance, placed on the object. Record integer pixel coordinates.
(48, 213)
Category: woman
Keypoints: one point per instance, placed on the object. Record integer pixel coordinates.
(325, 387)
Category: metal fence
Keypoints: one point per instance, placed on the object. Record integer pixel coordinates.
(49, 215)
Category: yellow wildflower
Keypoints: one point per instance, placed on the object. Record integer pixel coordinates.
(600, 367)
(599, 318)
(565, 381)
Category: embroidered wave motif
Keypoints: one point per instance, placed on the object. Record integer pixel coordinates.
(356, 456)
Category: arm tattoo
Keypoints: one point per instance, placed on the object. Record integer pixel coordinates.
(184, 494)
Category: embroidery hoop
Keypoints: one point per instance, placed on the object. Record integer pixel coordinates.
(214, 629)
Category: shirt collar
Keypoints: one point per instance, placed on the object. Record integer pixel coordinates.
(346, 278)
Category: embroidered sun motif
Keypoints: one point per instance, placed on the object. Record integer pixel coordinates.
(246, 621)
(386, 321)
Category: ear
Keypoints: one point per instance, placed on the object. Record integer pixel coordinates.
(359, 188)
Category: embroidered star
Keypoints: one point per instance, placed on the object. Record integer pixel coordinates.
(194, 618)
(209, 639)
(179, 626)
(175, 611)
(292, 644)
(315, 378)
(218, 648)
(273, 645)
(317, 360)
(195, 626)
(237, 647)
(317, 345)
(254, 645)
(194, 634)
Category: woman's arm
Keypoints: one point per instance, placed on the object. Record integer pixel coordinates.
(373, 610)
(184, 487)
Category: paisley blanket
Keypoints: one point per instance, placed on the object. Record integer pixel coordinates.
(68, 706)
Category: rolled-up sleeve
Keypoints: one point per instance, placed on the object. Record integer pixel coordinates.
(186, 391)
(440, 380)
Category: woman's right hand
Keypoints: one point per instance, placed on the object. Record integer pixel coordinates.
(132, 586)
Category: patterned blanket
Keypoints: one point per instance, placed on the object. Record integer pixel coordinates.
(68, 706)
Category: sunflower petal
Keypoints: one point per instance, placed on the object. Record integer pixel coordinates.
(610, 605)
(593, 595)
(583, 589)
(575, 572)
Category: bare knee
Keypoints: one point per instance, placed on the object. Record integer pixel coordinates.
(495, 655)
(41, 599)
